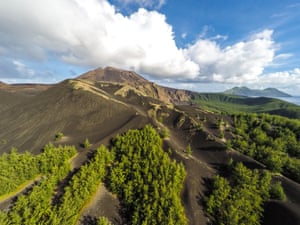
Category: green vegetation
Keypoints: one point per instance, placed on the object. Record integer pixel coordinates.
(81, 187)
(147, 182)
(228, 145)
(103, 221)
(87, 143)
(53, 165)
(37, 207)
(277, 192)
(200, 126)
(189, 150)
(236, 104)
(143, 176)
(164, 133)
(17, 168)
(272, 140)
(59, 136)
(3, 141)
(239, 198)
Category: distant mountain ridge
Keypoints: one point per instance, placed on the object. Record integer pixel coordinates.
(268, 92)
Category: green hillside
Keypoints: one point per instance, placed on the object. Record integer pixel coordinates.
(235, 104)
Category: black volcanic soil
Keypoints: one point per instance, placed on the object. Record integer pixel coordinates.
(104, 203)
(77, 113)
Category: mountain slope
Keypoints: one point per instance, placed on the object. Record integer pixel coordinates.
(9, 99)
(69, 107)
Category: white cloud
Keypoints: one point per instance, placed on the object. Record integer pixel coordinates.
(23, 69)
(92, 33)
(240, 62)
(145, 3)
(287, 81)
(282, 78)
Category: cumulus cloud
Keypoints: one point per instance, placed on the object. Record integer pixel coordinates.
(283, 78)
(242, 62)
(93, 33)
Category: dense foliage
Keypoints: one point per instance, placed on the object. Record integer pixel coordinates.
(17, 168)
(147, 182)
(272, 140)
(37, 207)
(238, 199)
(143, 176)
(34, 207)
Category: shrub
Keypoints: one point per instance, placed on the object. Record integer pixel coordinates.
(3, 141)
(87, 143)
(165, 133)
(103, 221)
(277, 192)
(59, 136)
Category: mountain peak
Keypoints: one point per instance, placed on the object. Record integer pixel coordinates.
(112, 74)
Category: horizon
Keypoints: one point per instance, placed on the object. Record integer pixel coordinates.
(164, 85)
(200, 46)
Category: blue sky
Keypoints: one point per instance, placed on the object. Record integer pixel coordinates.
(202, 45)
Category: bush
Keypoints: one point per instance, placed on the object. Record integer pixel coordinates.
(277, 192)
(103, 221)
(3, 141)
(59, 136)
(165, 133)
(87, 143)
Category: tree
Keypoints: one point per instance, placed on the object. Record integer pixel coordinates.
(165, 133)
(86, 143)
(189, 149)
(147, 182)
(239, 198)
(59, 136)
(228, 145)
(277, 192)
(103, 221)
